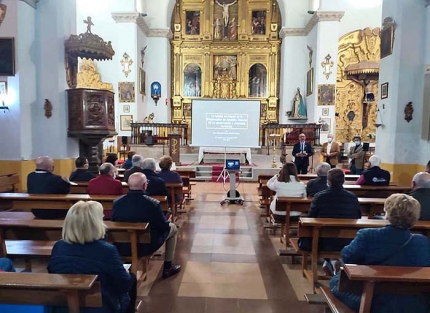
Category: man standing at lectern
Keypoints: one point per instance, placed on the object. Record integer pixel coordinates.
(301, 152)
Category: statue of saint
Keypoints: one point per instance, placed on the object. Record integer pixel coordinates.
(299, 108)
(217, 29)
(233, 29)
(225, 13)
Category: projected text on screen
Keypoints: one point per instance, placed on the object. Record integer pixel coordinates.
(226, 121)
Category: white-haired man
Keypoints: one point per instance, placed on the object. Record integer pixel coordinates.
(330, 151)
(375, 175)
(421, 192)
(136, 162)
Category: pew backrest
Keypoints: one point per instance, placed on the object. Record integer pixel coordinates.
(9, 183)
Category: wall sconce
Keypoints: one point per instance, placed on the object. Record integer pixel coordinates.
(327, 65)
(3, 93)
(156, 91)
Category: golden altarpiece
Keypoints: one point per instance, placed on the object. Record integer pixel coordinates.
(357, 76)
(225, 49)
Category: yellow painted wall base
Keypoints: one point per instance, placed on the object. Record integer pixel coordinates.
(63, 167)
(402, 174)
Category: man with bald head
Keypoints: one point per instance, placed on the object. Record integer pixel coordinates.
(421, 192)
(44, 181)
(301, 153)
(136, 207)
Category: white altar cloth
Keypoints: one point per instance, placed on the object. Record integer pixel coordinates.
(221, 150)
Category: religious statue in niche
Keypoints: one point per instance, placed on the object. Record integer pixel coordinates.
(192, 80)
(232, 35)
(257, 81)
(193, 22)
(364, 81)
(226, 63)
(258, 25)
(217, 29)
(225, 20)
(298, 110)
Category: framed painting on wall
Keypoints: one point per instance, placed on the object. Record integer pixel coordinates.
(126, 108)
(384, 91)
(325, 125)
(387, 41)
(326, 94)
(192, 20)
(325, 111)
(3, 89)
(125, 122)
(142, 81)
(258, 24)
(126, 92)
(7, 56)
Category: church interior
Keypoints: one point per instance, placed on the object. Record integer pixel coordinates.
(207, 82)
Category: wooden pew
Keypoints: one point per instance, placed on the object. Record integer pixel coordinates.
(71, 290)
(21, 236)
(81, 187)
(375, 279)
(25, 201)
(188, 172)
(317, 228)
(369, 207)
(173, 189)
(9, 183)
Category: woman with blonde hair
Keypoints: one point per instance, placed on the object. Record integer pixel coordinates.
(84, 250)
(392, 245)
(286, 184)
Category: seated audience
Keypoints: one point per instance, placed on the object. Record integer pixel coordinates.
(421, 192)
(393, 245)
(81, 173)
(44, 181)
(334, 202)
(136, 207)
(320, 183)
(286, 184)
(375, 175)
(128, 164)
(6, 265)
(136, 162)
(168, 175)
(112, 158)
(156, 185)
(84, 250)
(105, 184)
(428, 167)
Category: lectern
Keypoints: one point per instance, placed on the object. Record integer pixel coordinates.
(175, 147)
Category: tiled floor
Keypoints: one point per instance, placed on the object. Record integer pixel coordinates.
(229, 263)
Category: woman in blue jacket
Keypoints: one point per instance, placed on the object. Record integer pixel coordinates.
(83, 250)
(393, 245)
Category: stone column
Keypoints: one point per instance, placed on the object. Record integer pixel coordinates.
(398, 141)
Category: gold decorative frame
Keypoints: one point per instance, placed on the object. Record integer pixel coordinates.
(126, 92)
(326, 94)
(310, 82)
(142, 81)
(125, 121)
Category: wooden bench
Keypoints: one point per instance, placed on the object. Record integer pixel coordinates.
(71, 290)
(23, 236)
(25, 201)
(317, 228)
(369, 207)
(81, 187)
(175, 189)
(9, 183)
(368, 280)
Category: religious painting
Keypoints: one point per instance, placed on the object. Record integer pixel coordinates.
(192, 80)
(7, 56)
(258, 23)
(225, 65)
(192, 19)
(225, 20)
(310, 82)
(142, 81)
(326, 94)
(257, 86)
(387, 41)
(384, 91)
(125, 122)
(3, 9)
(3, 90)
(325, 125)
(126, 108)
(126, 92)
(325, 111)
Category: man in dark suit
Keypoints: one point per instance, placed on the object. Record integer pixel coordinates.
(301, 152)
(320, 183)
(44, 181)
(136, 207)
